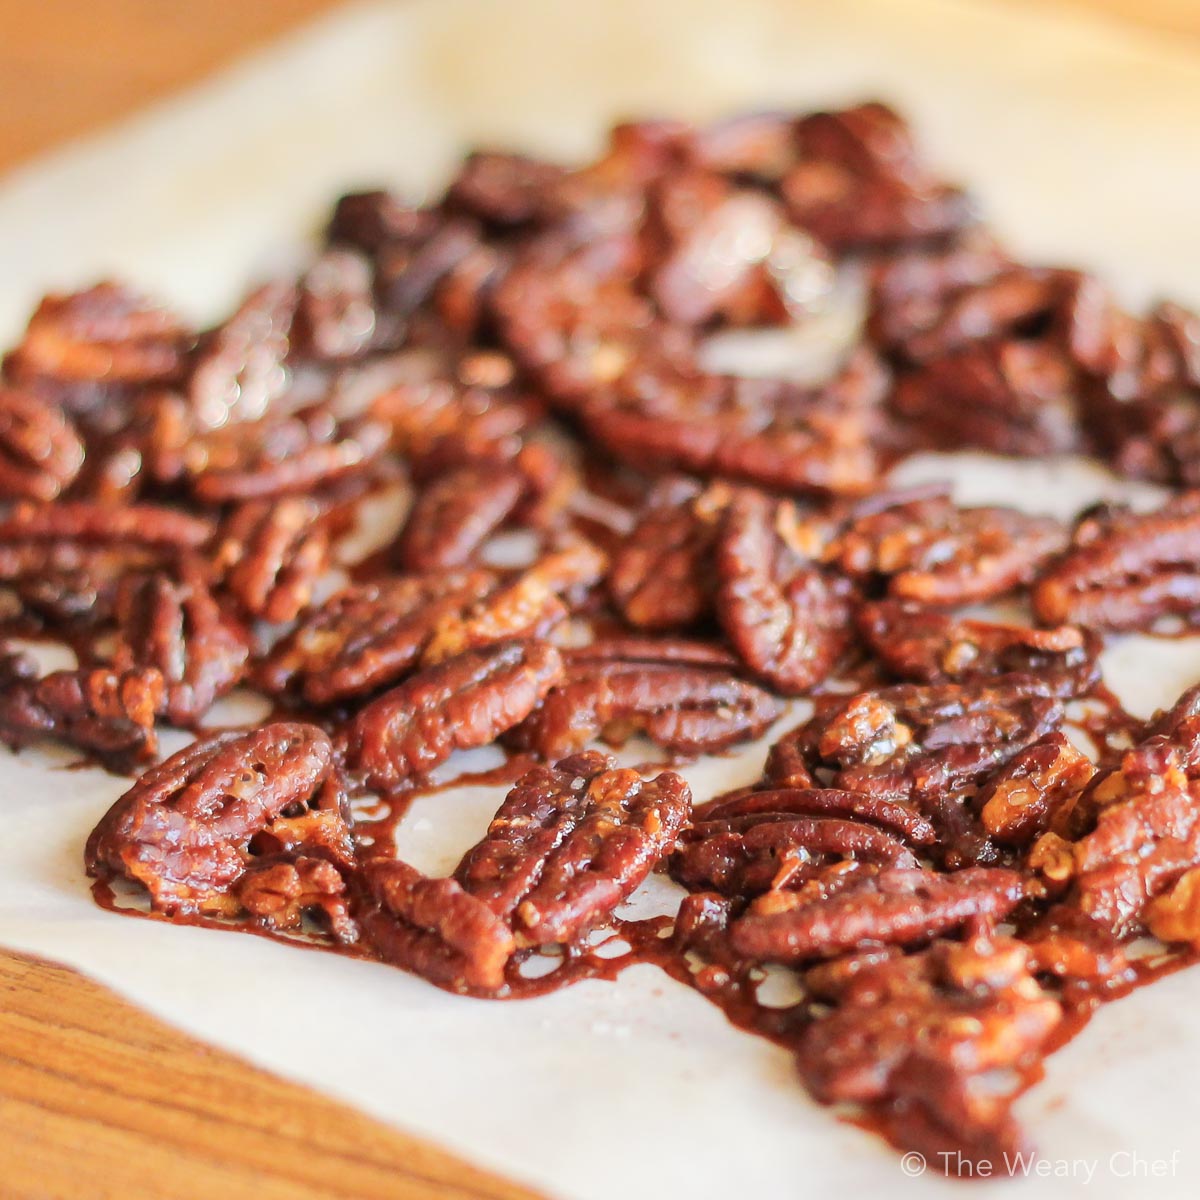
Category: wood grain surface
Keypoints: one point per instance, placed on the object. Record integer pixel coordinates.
(98, 1100)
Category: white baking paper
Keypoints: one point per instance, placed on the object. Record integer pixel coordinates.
(1080, 137)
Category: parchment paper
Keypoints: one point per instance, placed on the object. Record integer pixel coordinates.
(1080, 137)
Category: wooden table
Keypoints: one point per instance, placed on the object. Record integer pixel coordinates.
(96, 1099)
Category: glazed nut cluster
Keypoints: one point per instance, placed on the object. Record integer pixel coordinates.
(959, 842)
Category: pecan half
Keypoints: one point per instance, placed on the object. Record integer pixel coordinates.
(939, 1043)
(463, 702)
(106, 713)
(270, 554)
(691, 709)
(928, 646)
(935, 552)
(843, 909)
(1126, 570)
(367, 635)
(185, 828)
(659, 577)
(788, 620)
(176, 626)
(572, 841)
(65, 559)
(40, 452)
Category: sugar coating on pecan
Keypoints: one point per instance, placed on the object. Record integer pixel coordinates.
(458, 703)
(185, 829)
(1126, 570)
(572, 841)
(787, 618)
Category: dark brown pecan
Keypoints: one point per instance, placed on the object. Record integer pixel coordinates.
(186, 829)
(692, 709)
(335, 317)
(529, 605)
(775, 433)
(106, 713)
(368, 220)
(930, 746)
(85, 348)
(463, 702)
(634, 647)
(755, 841)
(939, 1043)
(269, 555)
(434, 928)
(1126, 570)
(40, 452)
(176, 626)
(504, 190)
(938, 553)
(570, 842)
(850, 906)
(789, 621)
(859, 183)
(660, 574)
(237, 372)
(65, 559)
(456, 513)
(928, 646)
(1011, 397)
(909, 289)
(725, 253)
(367, 635)
(275, 457)
(1142, 841)
(1036, 788)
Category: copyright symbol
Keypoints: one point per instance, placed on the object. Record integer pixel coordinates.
(913, 1164)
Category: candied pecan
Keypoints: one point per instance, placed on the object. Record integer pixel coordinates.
(909, 289)
(846, 907)
(237, 371)
(692, 709)
(368, 220)
(1144, 837)
(572, 841)
(938, 1042)
(787, 619)
(934, 551)
(1010, 397)
(466, 701)
(725, 253)
(335, 316)
(570, 315)
(456, 513)
(659, 577)
(776, 433)
(434, 928)
(40, 452)
(270, 553)
(927, 646)
(528, 606)
(775, 838)
(926, 745)
(1033, 790)
(860, 184)
(1125, 570)
(367, 635)
(78, 348)
(639, 648)
(504, 190)
(185, 828)
(107, 713)
(65, 559)
(273, 457)
(176, 626)
(410, 270)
